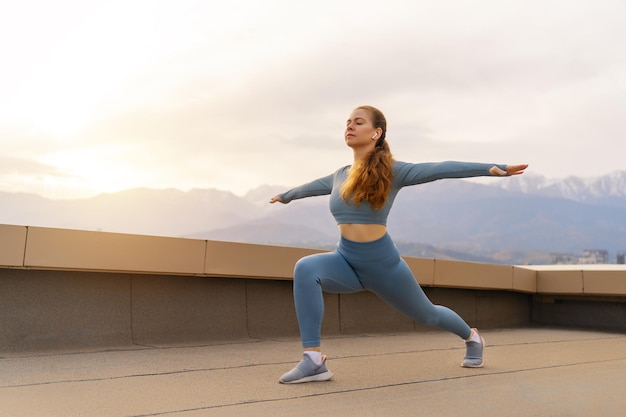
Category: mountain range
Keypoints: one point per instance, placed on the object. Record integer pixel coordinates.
(518, 220)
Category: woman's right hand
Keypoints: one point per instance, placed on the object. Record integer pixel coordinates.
(276, 199)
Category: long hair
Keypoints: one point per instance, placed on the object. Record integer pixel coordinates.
(370, 180)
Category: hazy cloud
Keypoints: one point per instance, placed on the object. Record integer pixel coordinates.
(234, 95)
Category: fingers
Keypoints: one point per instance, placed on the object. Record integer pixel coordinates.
(276, 199)
(516, 169)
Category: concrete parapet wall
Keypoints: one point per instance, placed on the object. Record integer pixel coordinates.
(12, 245)
(591, 280)
(55, 310)
(68, 289)
(72, 250)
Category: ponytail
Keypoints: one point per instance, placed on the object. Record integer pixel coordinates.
(370, 180)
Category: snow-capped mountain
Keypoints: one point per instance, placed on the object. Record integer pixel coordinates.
(603, 189)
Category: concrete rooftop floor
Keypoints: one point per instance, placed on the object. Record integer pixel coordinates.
(528, 372)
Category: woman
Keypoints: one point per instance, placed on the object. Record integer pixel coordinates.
(361, 196)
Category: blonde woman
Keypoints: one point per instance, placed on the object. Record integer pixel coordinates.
(361, 196)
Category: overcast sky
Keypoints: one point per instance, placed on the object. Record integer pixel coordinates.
(102, 96)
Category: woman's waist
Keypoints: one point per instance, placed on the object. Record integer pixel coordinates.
(372, 250)
(359, 232)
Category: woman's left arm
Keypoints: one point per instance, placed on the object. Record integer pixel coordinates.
(411, 174)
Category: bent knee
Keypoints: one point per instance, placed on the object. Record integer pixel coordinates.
(306, 269)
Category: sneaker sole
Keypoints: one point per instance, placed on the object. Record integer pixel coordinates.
(473, 366)
(324, 376)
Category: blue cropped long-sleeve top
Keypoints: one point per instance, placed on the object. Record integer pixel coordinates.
(404, 174)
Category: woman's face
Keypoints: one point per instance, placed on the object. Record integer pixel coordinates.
(360, 132)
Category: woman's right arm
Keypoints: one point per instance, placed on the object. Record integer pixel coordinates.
(321, 186)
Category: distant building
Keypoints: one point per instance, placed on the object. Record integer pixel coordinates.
(565, 259)
(621, 258)
(594, 256)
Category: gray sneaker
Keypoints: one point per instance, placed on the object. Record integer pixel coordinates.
(307, 371)
(474, 354)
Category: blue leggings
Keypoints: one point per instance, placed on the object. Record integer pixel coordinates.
(358, 266)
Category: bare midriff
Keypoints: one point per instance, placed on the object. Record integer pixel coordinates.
(362, 232)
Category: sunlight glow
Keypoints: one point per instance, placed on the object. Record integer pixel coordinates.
(93, 169)
(67, 80)
(87, 61)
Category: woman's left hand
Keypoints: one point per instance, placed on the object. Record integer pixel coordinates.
(510, 170)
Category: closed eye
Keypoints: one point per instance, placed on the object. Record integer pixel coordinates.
(358, 121)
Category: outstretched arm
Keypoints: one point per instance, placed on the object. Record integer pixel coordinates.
(321, 186)
(412, 174)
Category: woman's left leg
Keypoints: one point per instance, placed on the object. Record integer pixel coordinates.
(391, 279)
(386, 274)
(397, 286)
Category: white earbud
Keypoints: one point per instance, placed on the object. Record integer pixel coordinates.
(374, 137)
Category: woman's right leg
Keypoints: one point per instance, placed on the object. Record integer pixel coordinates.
(314, 274)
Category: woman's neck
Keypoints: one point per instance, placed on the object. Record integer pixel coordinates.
(360, 154)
